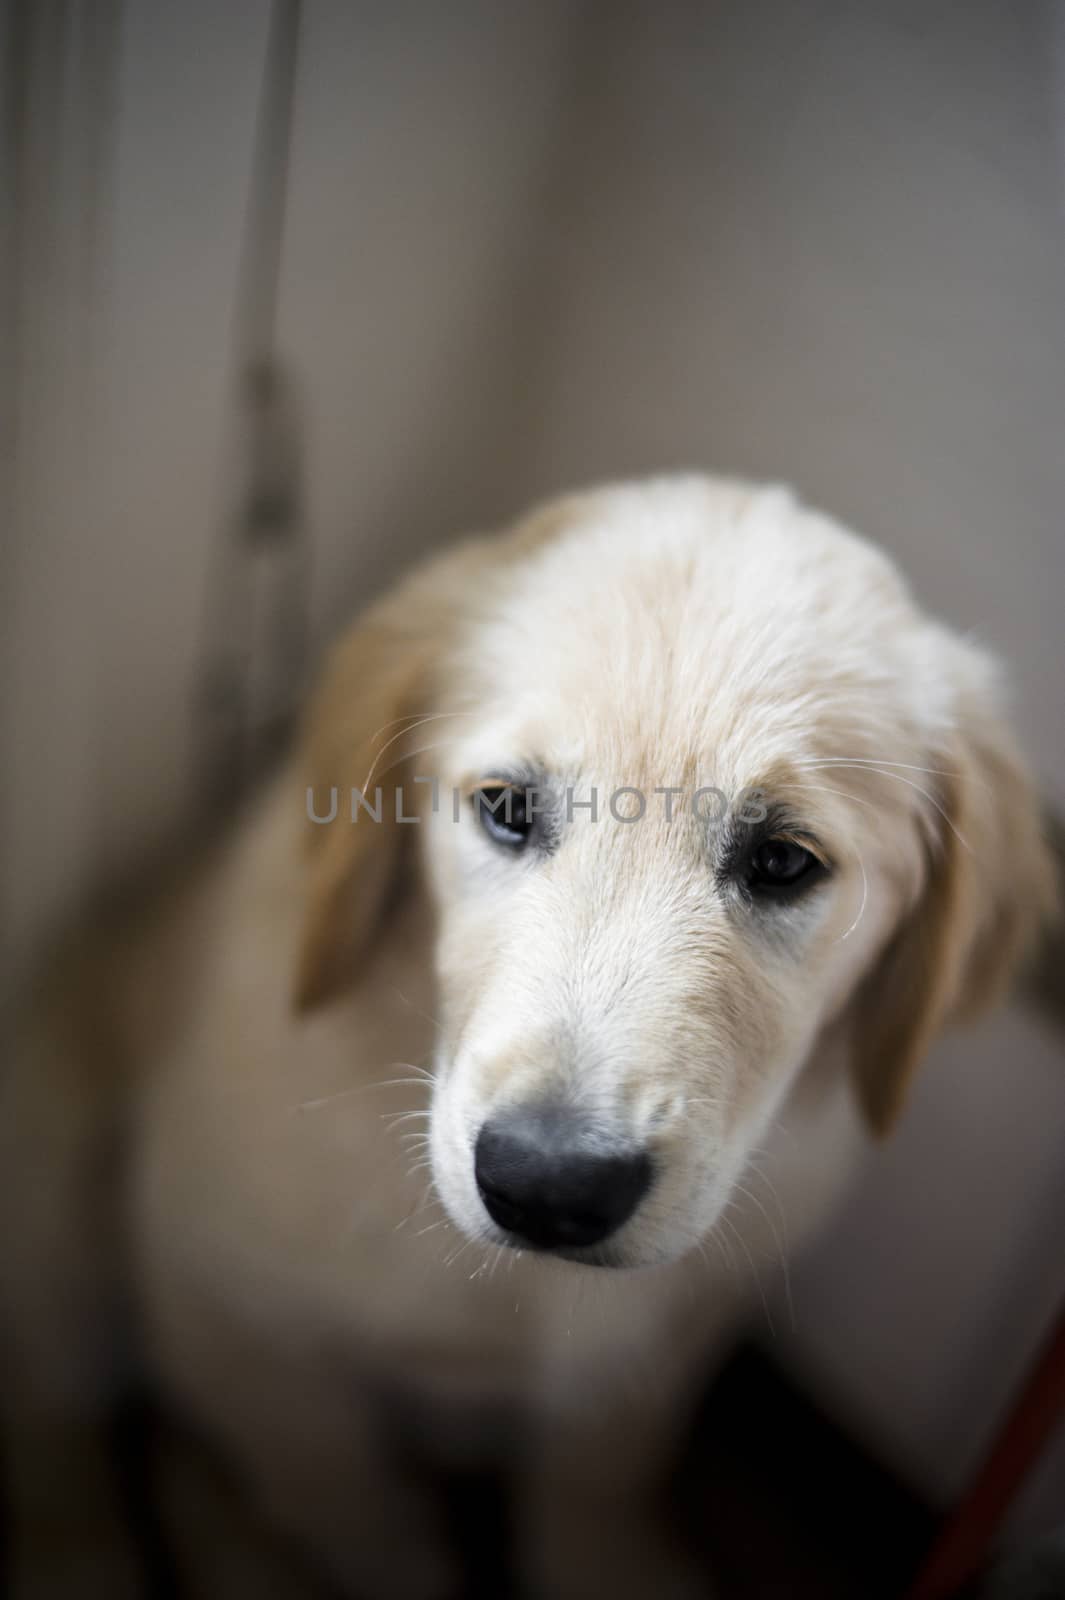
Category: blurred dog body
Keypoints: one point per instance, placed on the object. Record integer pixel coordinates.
(708, 1011)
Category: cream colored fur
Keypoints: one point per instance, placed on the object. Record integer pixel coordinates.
(295, 1270)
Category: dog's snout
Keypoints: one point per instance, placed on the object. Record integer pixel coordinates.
(541, 1177)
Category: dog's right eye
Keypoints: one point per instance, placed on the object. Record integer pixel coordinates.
(502, 811)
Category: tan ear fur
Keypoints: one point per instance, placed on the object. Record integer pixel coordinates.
(360, 733)
(990, 886)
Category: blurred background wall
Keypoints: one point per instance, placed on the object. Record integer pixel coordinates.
(522, 247)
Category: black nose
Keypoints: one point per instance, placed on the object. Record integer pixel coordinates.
(543, 1177)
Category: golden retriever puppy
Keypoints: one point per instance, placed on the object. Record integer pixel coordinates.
(629, 865)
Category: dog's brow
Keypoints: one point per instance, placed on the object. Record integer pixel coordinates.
(526, 775)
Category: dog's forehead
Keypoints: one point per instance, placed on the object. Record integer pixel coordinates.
(665, 622)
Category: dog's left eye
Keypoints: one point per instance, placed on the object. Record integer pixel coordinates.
(502, 812)
(780, 863)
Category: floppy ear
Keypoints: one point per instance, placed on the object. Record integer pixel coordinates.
(363, 725)
(367, 720)
(990, 886)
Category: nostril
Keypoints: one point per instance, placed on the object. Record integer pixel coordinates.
(501, 1207)
(540, 1176)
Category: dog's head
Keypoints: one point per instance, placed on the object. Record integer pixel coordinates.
(698, 781)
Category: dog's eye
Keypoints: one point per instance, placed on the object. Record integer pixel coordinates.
(503, 814)
(780, 863)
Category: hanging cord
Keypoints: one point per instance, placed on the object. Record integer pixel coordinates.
(58, 109)
(254, 655)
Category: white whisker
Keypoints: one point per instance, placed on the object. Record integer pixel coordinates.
(417, 719)
(738, 1235)
(461, 1251)
(411, 1006)
(357, 1088)
(865, 898)
(394, 1118)
(871, 761)
(897, 777)
(821, 788)
(778, 1237)
(434, 716)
